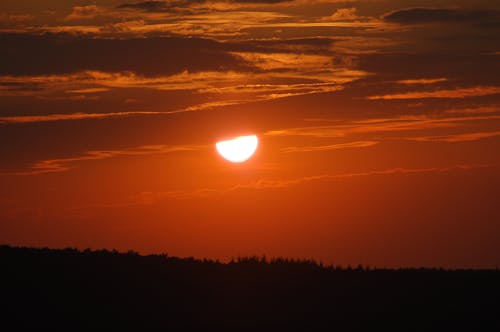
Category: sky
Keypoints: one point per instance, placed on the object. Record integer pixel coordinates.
(378, 125)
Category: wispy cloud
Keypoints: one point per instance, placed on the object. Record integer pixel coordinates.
(426, 15)
(84, 12)
(265, 184)
(218, 19)
(218, 5)
(423, 81)
(276, 61)
(307, 76)
(68, 117)
(416, 128)
(66, 164)
(16, 18)
(474, 110)
(88, 116)
(467, 137)
(338, 146)
(391, 124)
(151, 197)
(147, 198)
(343, 14)
(88, 90)
(477, 91)
(292, 79)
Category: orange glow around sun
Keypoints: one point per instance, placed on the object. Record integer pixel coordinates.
(238, 149)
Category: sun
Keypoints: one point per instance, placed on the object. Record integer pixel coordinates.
(238, 149)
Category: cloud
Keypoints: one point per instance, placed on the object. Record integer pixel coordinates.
(149, 198)
(96, 116)
(359, 45)
(275, 184)
(308, 45)
(474, 110)
(177, 5)
(346, 15)
(66, 164)
(152, 6)
(96, 81)
(441, 15)
(122, 27)
(278, 61)
(67, 117)
(219, 19)
(125, 24)
(200, 5)
(84, 13)
(16, 18)
(422, 81)
(88, 90)
(338, 146)
(311, 131)
(289, 80)
(467, 137)
(264, 75)
(227, 84)
(155, 56)
(370, 126)
(460, 60)
(477, 91)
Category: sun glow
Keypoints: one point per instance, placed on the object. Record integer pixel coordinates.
(238, 149)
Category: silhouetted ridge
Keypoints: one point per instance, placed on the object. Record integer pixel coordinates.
(74, 289)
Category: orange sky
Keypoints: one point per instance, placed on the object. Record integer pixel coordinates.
(379, 128)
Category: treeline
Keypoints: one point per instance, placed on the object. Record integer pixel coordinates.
(68, 288)
(164, 258)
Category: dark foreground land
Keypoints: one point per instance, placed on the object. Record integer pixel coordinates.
(92, 290)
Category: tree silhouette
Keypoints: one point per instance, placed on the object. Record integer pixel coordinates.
(68, 288)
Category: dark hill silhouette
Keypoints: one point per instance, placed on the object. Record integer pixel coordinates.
(92, 290)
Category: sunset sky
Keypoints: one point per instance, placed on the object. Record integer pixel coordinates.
(378, 125)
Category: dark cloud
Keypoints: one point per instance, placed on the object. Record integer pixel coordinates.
(465, 68)
(313, 45)
(162, 6)
(259, 1)
(150, 6)
(24, 54)
(432, 15)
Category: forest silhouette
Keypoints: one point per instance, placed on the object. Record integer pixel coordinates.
(70, 289)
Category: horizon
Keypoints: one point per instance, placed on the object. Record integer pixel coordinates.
(253, 259)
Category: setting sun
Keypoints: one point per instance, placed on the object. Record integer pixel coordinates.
(238, 149)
